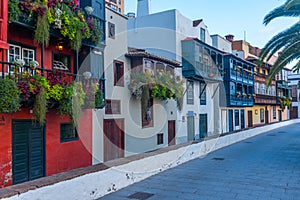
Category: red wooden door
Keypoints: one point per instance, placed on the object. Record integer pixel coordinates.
(267, 116)
(171, 132)
(113, 139)
(250, 119)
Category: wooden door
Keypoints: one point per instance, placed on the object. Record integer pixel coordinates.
(230, 120)
(267, 116)
(280, 115)
(191, 128)
(250, 118)
(242, 119)
(28, 151)
(171, 132)
(203, 126)
(113, 139)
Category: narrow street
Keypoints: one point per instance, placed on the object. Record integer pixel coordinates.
(263, 167)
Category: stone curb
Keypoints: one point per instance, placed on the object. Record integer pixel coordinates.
(96, 181)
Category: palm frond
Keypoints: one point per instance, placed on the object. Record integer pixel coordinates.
(282, 11)
(297, 67)
(279, 41)
(292, 3)
(288, 54)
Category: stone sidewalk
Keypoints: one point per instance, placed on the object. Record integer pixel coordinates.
(264, 167)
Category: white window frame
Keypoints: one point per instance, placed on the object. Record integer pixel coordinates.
(21, 56)
(14, 55)
(28, 58)
(190, 92)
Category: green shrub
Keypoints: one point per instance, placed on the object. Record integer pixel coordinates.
(9, 96)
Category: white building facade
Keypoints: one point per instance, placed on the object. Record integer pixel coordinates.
(119, 130)
(162, 33)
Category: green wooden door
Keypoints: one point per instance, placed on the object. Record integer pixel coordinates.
(191, 128)
(203, 125)
(28, 151)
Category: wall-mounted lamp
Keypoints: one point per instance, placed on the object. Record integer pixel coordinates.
(59, 47)
(256, 111)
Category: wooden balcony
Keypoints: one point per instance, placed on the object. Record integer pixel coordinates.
(241, 77)
(265, 99)
(201, 66)
(243, 101)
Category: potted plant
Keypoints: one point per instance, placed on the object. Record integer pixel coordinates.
(33, 64)
(10, 96)
(17, 64)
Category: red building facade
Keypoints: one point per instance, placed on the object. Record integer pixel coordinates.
(29, 150)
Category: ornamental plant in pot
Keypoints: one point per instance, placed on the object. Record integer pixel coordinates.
(9, 96)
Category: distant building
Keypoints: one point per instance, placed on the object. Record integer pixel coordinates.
(268, 105)
(117, 5)
(294, 83)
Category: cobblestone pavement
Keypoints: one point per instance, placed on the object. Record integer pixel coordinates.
(264, 167)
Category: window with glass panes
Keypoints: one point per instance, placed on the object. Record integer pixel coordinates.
(202, 94)
(17, 52)
(190, 92)
(68, 132)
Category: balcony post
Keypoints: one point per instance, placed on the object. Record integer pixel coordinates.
(77, 62)
(42, 57)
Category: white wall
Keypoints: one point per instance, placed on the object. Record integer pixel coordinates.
(115, 50)
(221, 43)
(155, 33)
(161, 33)
(137, 139)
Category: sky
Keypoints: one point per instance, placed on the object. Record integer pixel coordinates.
(241, 18)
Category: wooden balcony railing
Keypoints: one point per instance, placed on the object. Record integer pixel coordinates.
(247, 100)
(265, 99)
(64, 78)
(9, 70)
(209, 71)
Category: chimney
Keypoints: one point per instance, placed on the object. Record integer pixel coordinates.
(143, 8)
(131, 15)
(230, 37)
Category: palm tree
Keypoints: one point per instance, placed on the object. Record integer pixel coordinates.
(287, 41)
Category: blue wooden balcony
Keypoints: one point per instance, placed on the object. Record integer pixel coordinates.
(245, 77)
(241, 100)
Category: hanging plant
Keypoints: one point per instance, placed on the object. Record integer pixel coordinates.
(99, 101)
(163, 85)
(77, 102)
(96, 31)
(90, 90)
(40, 106)
(9, 96)
(41, 34)
(145, 98)
(72, 101)
(65, 104)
